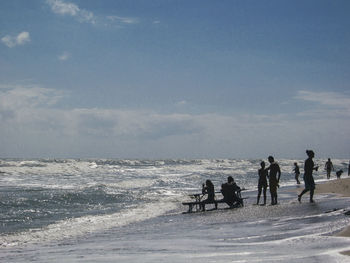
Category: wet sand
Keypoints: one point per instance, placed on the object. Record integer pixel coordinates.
(340, 187)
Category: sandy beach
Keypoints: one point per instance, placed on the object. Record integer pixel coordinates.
(340, 187)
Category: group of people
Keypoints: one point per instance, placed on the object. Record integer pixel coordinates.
(275, 173)
(229, 190)
(269, 176)
(271, 173)
(309, 167)
(329, 168)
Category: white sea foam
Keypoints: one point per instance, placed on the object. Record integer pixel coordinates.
(77, 227)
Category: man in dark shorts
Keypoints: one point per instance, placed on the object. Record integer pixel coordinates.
(274, 178)
(309, 167)
(262, 185)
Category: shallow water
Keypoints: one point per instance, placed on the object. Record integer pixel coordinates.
(129, 210)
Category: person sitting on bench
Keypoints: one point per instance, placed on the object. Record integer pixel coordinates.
(208, 189)
(229, 190)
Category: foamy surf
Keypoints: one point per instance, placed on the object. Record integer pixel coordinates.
(78, 227)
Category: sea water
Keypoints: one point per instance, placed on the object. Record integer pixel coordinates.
(102, 210)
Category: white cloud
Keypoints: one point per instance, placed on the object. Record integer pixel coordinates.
(32, 113)
(64, 8)
(325, 98)
(60, 7)
(12, 41)
(327, 104)
(64, 56)
(181, 103)
(123, 20)
(18, 97)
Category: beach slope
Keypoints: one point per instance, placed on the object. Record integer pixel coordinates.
(340, 187)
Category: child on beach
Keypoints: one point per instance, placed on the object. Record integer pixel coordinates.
(297, 172)
(309, 166)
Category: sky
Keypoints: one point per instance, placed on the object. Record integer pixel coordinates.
(174, 78)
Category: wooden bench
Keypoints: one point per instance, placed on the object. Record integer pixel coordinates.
(200, 205)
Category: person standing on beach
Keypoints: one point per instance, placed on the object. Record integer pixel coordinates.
(262, 185)
(297, 172)
(329, 167)
(309, 166)
(274, 178)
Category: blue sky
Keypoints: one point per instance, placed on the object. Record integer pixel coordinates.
(174, 79)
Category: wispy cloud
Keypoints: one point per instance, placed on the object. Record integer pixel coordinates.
(123, 20)
(12, 41)
(64, 56)
(60, 7)
(325, 98)
(181, 103)
(64, 8)
(331, 104)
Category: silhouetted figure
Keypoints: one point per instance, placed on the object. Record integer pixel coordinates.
(208, 189)
(339, 173)
(274, 178)
(349, 169)
(309, 166)
(262, 185)
(297, 172)
(229, 190)
(329, 167)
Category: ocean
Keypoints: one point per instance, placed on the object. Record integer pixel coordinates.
(109, 210)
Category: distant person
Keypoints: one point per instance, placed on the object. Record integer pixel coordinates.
(208, 188)
(349, 169)
(274, 178)
(339, 173)
(297, 172)
(309, 167)
(229, 191)
(262, 185)
(329, 167)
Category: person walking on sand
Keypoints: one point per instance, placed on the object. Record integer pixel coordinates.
(309, 167)
(262, 185)
(297, 172)
(329, 167)
(274, 179)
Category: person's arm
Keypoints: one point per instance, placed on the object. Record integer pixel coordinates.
(279, 173)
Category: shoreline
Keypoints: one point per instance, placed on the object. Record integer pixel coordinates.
(340, 187)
